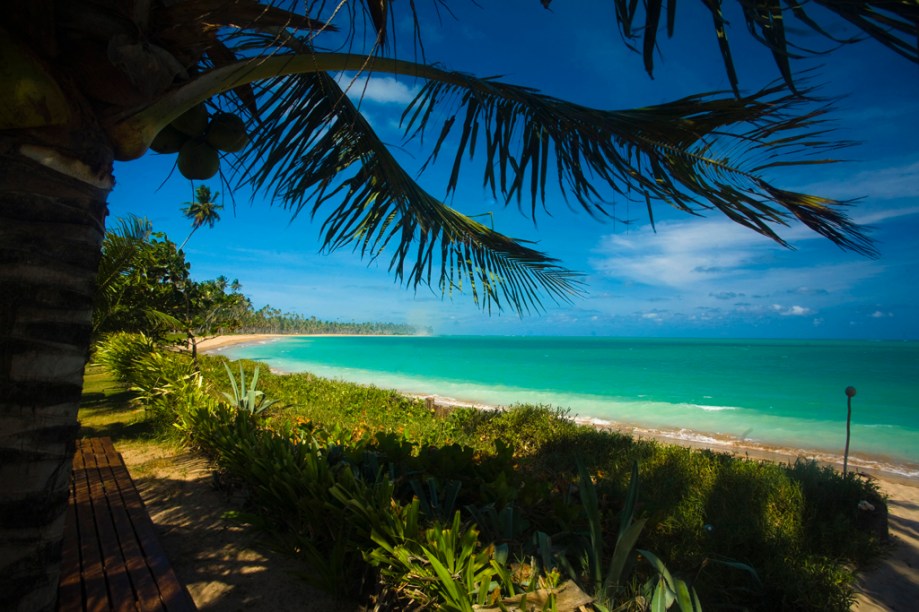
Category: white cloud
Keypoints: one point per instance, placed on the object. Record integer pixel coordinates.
(793, 311)
(713, 270)
(879, 314)
(379, 89)
(884, 215)
(718, 259)
(682, 254)
(886, 183)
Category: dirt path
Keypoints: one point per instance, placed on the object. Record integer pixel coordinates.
(894, 583)
(224, 566)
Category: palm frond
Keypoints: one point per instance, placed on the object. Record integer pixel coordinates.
(119, 248)
(892, 23)
(703, 152)
(313, 146)
(159, 318)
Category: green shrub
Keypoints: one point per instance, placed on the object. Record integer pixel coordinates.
(525, 428)
(831, 509)
(445, 567)
(246, 397)
(167, 384)
(353, 479)
(119, 353)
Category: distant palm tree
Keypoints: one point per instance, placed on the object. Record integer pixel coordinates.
(203, 211)
(87, 82)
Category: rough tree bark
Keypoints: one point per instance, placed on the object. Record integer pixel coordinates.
(51, 229)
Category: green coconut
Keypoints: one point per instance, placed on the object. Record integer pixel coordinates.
(198, 160)
(227, 132)
(192, 122)
(169, 140)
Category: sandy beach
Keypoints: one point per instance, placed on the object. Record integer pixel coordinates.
(210, 345)
(892, 585)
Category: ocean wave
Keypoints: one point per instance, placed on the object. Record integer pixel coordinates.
(714, 408)
(901, 471)
(693, 436)
(906, 471)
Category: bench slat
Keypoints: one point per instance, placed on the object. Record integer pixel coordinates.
(125, 517)
(112, 558)
(120, 592)
(171, 592)
(95, 595)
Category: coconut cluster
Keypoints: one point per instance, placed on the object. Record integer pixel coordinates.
(198, 137)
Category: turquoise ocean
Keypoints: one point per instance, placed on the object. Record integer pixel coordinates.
(784, 393)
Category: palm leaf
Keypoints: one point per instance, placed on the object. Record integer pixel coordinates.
(157, 318)
(703, 152)
(378, 10)
(314, 151)
(893, 23)
(314, 147)
(119, 250)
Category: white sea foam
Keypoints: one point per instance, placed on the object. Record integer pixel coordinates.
(693, 436)
(714, 408)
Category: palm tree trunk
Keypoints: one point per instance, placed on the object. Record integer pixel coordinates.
(51, 229)
(187, 238)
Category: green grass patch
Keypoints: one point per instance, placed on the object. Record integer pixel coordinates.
(108, 408)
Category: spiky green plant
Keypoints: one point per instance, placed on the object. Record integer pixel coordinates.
(247, 398)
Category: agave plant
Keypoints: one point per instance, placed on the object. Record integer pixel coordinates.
(247, 398)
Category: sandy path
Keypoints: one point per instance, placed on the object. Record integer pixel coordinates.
(225, 566)
(894, 583)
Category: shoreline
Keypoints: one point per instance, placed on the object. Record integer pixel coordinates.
(881, 468)
(218, 343)
(875, 466)
(890, 585)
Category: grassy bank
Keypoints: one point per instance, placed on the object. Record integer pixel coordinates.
(388, 502)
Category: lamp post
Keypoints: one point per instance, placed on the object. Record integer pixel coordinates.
(850, 393)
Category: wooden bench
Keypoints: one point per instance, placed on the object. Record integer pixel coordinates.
(112, 558)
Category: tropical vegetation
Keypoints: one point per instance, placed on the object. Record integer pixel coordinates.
(87, 82)
(145, 286)
(450, 510)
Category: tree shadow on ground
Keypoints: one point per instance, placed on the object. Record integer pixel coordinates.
(111, 412)
(224, 565)
(120, 432)
(100, 399)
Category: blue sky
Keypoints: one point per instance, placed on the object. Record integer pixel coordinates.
(693, 277)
